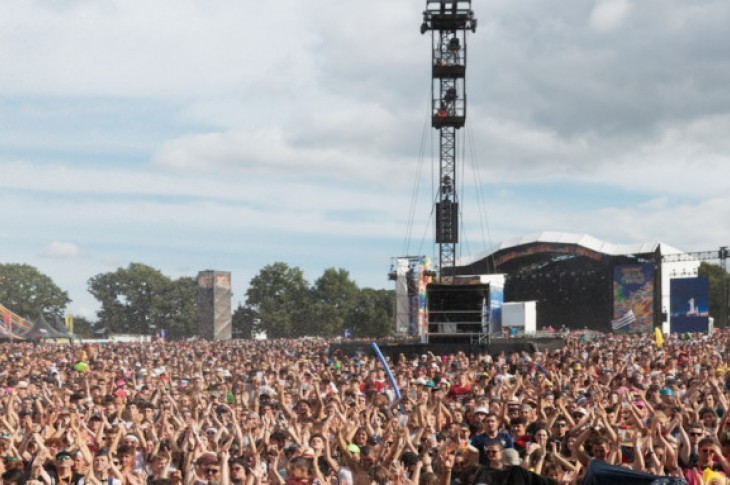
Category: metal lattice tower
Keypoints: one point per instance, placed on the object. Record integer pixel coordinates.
(448, 21)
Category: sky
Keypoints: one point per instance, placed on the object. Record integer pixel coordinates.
(231, 134)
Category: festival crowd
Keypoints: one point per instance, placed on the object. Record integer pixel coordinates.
(295, 412)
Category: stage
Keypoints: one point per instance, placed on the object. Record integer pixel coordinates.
(492, 346)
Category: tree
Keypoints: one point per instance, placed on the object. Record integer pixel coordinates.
(244, 322)
(83, 328)
(373, 313)
(277, 298)
(175, 308)
(333, 295)
(140, 299)
(715, 276)
(29, 293)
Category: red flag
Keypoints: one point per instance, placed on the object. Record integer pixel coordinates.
(6, 320)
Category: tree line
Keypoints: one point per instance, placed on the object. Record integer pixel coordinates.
(279, 302)
(140, 299)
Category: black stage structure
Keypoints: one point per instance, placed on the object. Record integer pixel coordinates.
(493, 347)
(573, 277)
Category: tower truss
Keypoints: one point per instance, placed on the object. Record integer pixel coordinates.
(448, 21)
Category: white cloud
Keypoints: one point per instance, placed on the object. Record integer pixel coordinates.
(608, 15)
(60, 249)
(163, 48)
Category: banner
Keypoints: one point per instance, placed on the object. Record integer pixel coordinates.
(403, 313)
(424, 267)
(633, 298)
(689, 305)
(496, 300)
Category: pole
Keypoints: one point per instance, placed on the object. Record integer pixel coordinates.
(723, 264)
(388, 373)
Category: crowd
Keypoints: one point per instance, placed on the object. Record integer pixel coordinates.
(295, 412)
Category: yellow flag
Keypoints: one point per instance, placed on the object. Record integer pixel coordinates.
(70, 323)
(659, 337)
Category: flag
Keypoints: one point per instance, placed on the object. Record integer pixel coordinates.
(659, 337)
(624, 321)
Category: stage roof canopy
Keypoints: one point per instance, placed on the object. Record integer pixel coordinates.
(582, 240)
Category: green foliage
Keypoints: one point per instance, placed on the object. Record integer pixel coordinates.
(332, 297)
(714, 275)
(373, 313)
(244, 322)
(276, 296)
(176, 309)
(280, 303)
(29, 293)
(83, 328)
(140, 299)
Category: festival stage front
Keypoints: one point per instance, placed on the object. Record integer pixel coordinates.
(492, 347)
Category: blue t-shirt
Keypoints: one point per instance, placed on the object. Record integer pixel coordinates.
(481, 441)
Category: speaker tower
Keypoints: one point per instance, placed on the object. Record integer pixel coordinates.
(214, 305)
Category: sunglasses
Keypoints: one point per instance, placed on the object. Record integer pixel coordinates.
(561, 425)
(212, 471)
(237, 468)
(696, 434)
(492, 451)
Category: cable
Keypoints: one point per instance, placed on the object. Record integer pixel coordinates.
(481, 201)
(416, 185)
(462, 178)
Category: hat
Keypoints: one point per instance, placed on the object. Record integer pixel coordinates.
(481, 409)
(510, 457)
(582, 411)
(353, 448)
(132, 437)
(22, 385)
(666, 392)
